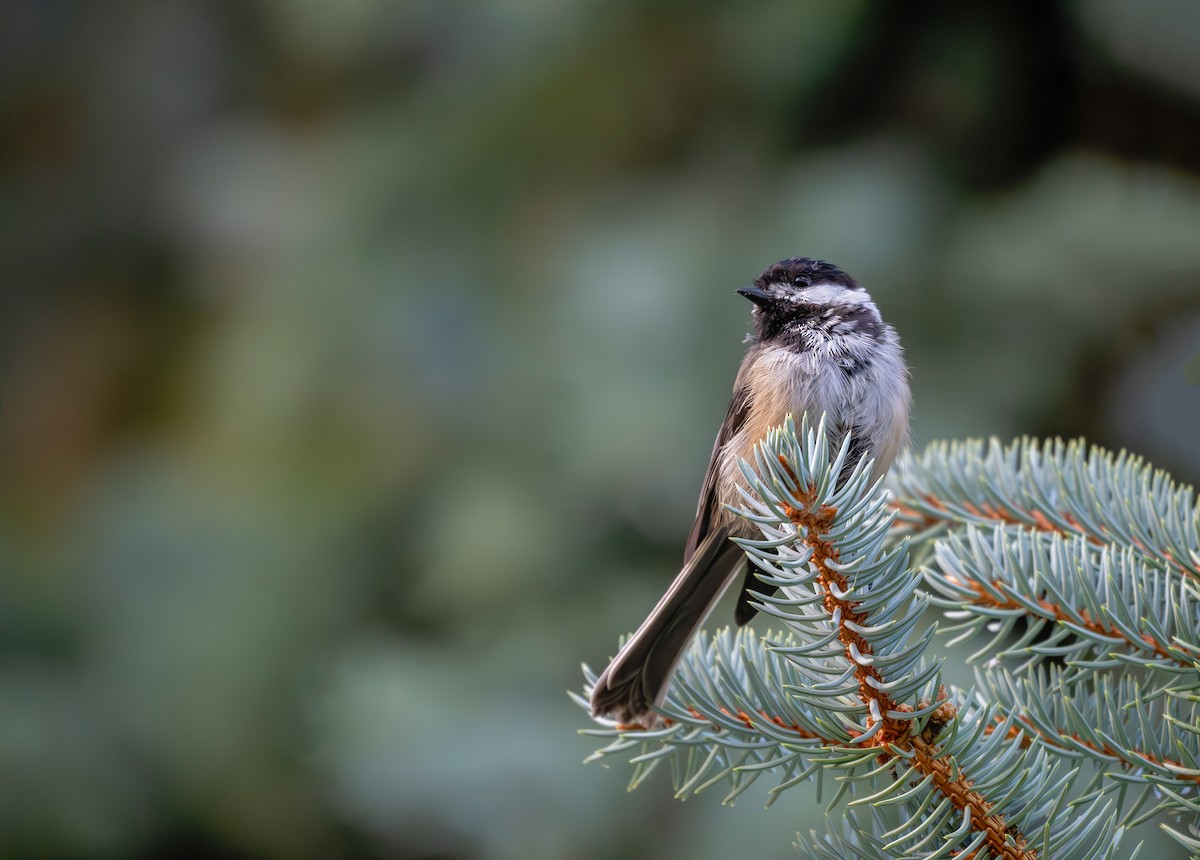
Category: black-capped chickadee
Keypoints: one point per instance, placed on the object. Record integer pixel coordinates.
(819, 345)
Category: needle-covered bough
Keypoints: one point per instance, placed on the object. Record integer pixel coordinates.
(1083, 719)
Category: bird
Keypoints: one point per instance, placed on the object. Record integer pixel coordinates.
(818, 345)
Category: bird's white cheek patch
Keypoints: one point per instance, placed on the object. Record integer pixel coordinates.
(832, 294)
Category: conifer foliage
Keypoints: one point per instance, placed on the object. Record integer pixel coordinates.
(1073, 574)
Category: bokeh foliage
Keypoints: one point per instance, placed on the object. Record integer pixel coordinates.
(345, 351)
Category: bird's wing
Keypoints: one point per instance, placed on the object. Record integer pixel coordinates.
(735, 417)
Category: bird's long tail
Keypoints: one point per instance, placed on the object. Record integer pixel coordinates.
(636, 679)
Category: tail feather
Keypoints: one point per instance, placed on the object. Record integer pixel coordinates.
(636, 680)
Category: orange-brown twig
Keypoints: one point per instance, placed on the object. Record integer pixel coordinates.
(895, 733)
(1027, 728)
(815, 521)
(1002, 840)
(1080, 618)
(1041, 522)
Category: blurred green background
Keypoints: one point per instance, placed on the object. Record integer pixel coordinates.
(359, 363)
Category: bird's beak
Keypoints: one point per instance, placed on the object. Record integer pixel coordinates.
(754, 294)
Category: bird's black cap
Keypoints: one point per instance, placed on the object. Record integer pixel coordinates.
(804, 271)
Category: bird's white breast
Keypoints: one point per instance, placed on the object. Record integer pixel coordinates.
(784, 380)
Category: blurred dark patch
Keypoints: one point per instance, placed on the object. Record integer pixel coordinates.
(1129, 117)
(991, 87)
(1100, 358)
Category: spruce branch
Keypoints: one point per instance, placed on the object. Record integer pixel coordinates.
(852, 838)
(1093, 607)
(1052, 486)
(1057, 555)
(846, 692)
(1139, 736)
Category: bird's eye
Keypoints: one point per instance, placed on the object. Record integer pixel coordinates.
(801, 280)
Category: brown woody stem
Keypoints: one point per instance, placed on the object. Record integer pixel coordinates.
(1078, 617)
(895, 733)
(1001, 840)
(922, 519)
